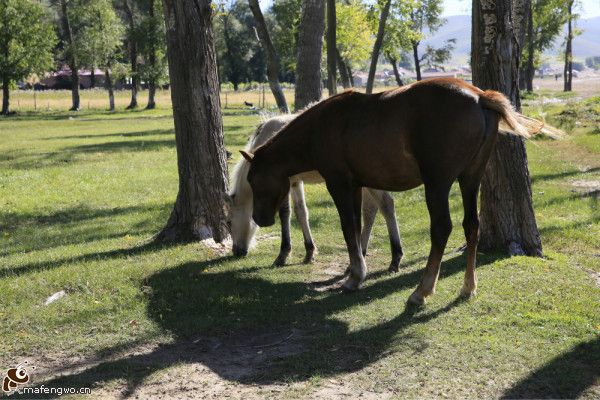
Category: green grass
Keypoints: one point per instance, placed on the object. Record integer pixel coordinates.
(81, 194)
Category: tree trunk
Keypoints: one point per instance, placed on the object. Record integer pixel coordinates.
(507, 217)
(415, 46)
(394, 63)
(111, 92)
(5, 95)
(152, 60)
(93, 78)
(133, 55)
(310, 47)
(530, 70)
(331, 48)
(350, 76)
(520, 18)
(271, 55)
(377, 45)
(568, 74)
(201, 205)
(343, 70)
(72, 60)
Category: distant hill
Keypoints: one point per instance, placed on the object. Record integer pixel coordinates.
(459, 27)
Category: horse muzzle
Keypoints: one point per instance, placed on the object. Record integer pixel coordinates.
(239, 251)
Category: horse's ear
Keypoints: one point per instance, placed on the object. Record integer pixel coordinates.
(248, 156)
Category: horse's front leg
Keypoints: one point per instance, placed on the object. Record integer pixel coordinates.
(302, 214)
(286, 240)
(348, 200)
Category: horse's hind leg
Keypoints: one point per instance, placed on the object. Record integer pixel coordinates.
(469, 187)
(441, 226)
(302, 214)
(369, 211)
(286, 241)
(385, 202)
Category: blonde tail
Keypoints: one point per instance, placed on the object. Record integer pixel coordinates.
(496, 101)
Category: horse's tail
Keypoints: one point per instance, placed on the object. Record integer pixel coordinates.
(496, 101)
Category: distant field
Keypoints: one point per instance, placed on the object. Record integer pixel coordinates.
(81, 194)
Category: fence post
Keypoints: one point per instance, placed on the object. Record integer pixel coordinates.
(34, 100)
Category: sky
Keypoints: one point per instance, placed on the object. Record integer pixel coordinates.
(591, 8)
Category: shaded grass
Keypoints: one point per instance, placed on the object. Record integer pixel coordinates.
(80, 198)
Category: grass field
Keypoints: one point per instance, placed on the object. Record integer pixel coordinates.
(82, 193)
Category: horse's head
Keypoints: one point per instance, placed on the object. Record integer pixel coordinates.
(269, 188)
(240, 219)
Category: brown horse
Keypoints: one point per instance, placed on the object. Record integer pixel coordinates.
(432, 132)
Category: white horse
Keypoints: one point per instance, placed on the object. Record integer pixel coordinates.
(243, 227)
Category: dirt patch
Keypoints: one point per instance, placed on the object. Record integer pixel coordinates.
(591, 187)
(205, 367)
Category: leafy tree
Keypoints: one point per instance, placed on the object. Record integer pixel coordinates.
(424, 14)
(26, 42)
(546, 22)
(385, 6)
(354, 39)
(436, 58)
(100, 40)
(131, 16)
(284, 18)
(399, 36)
(151, 39)
(241, 59)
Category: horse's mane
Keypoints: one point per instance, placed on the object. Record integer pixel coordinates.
(260, 135)
(305, 112)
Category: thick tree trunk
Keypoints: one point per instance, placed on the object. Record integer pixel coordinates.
(110, 89)
(568, 74)
(415, 47)
(310, 48)
(507, 217)
(201, 205)
(394, 63)
(72, 60)
(271, 55)
(133, 56)
(377, 45)
(343, 70)
(331, 48)
(350, 76)
(530, 70)
(5, 95)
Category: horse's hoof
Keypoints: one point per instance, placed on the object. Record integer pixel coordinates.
(393, 268)
(308, 259)
(280, 261)
(416, 299)
(467, 293)
(350, 285)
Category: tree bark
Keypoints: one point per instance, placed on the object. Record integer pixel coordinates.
(394, 63)
(310, 47)
(415, 47)
(72, 60)
(568, 74)
(110, 89)
(520, 17)
(350, 76)
(201, 206)
(271, 55)
(5, 95)
(331, 48)
(343, 70)
(133, 55)
(377, 45)
(507, 216)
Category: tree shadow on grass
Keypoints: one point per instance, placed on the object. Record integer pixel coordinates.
(252, 330)
(565, 377)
